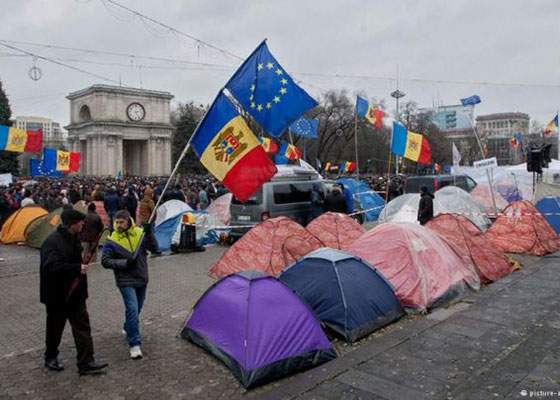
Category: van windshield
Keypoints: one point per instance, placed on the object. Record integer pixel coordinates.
(252, 201)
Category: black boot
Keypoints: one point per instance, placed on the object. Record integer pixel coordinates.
(92, 368)
(54, 365)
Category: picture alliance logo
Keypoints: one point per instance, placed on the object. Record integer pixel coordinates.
(539, 393)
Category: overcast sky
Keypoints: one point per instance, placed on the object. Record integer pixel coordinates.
(430, 42)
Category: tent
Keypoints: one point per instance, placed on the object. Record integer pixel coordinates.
(258, 328)
(38, 230)
(334, 230)
(168, 218)
(469, 242)
(482, 194)
(449, 199)
(366, 197)
(521, 228)
(13, 230)
(350, 297)
(268, 247)
(549, 207)
(422, 267)
(220, 209)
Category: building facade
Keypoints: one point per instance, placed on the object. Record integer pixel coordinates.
(121, 130)
(497, 131)
(53, 135)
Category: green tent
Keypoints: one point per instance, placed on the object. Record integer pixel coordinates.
(38, 230)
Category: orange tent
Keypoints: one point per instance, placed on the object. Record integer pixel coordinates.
(521, 228)
(335, 230)
(268, 247)
(469, 242)
(13, 230)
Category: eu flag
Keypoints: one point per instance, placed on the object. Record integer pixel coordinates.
(471, 101)
(268, 93)
(306, 128)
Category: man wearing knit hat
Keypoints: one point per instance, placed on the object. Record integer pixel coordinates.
(63, 290)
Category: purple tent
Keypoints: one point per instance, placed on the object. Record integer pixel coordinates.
(258, 327)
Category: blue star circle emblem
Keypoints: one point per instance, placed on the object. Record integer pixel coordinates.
(280, 77)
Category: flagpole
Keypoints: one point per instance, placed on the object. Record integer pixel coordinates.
(356, 144)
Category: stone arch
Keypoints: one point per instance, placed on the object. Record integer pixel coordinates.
(85, 114)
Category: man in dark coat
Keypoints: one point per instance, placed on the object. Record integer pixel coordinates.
(125, 253)
(63, 290)
(335, 201)
(112, 204)
(426, 206)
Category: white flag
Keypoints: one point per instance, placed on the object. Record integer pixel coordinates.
(456, 155)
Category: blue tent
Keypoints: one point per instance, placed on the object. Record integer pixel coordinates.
(549, 207)
(367, 198)
(350, 297)
(168, 218)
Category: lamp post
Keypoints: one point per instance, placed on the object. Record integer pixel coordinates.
(397, 94)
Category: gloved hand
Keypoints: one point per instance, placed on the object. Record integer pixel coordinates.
(130, 263)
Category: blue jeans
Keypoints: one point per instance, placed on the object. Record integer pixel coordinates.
(133, 298)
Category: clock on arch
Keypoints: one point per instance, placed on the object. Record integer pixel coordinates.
(135, 112)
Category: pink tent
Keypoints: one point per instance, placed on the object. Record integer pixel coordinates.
(521, 228)
(470, 243)
(482, 194)
(268, 247)
(334, 230)
(421, 266)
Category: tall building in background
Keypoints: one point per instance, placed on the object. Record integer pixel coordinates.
(497, 132)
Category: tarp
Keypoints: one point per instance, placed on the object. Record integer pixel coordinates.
(366, 197)
(423, 268)
(482, 194)
(268, 247)
(470, 243)
(450, 199)
(38, 230)
(258, 328)
(13, 230)
(521, 228)
(549, 207)
(168, 219)
(349, 297)
(335, 230)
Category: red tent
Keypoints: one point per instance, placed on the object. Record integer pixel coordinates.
(421, 266)
(335, 230)
(470, 243)
(268, 247)
(521, 228)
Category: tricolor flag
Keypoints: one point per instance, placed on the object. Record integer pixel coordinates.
(411, 145)
(373, 114)
(266, 91)
(350, 166)
(269, 145)
(328, 166)
(289, 151)
(229, 149)
(75, 161)
(552, 127)
(18, 140)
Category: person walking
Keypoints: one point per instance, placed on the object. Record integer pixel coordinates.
(63, 291)
(125, 253)
(146, 206)
(130, 202)
(111, 203)
(91, 233)
(426, 206)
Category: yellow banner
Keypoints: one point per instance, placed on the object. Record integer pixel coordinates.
(229, 146)
(62, 160)
(17, 138)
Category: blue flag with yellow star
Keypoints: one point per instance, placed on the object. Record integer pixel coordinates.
(267, 93)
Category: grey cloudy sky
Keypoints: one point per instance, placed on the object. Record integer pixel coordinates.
(436, 44)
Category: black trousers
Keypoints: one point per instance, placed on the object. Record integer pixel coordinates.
(78, 317)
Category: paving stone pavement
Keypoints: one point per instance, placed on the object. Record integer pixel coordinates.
(493, 344)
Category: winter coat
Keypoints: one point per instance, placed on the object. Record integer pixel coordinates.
(61, 263)
(129, 245)
(111, 203)
(335, 202)
(93, 227)
(146, 206)
(426, 208)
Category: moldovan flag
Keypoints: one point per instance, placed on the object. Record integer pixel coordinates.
(62, 160)
(268, 145)
(350, 166)
(34, 142)
(551, 127)
(410, 145)
(12, 139)
(230, 151)
(373, 114)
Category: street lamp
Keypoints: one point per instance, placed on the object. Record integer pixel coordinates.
(397, 94)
